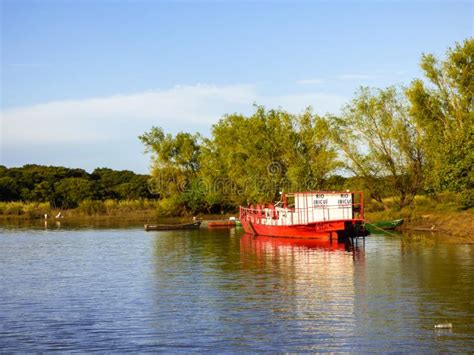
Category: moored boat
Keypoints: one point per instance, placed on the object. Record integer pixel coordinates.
(163, 227)
(318, 215)
(384, 225)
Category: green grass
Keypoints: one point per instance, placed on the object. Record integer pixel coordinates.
(25, 209)
(111, 208)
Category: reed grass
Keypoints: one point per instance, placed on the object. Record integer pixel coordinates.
(111, 208)
(25, 209)
(114, 207)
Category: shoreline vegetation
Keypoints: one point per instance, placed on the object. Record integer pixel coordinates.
(430, 215)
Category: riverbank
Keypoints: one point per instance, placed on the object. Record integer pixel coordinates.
(428, 216)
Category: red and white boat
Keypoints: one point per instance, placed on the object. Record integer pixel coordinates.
(318, 215)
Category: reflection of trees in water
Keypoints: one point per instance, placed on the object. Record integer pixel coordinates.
(443, 274)
(196, 251)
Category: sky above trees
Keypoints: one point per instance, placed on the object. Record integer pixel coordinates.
(81, 80)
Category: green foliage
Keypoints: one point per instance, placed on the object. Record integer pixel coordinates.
(71, 191)
(380, 143)
(271, 151)
(443, 108)
(175, 166)
(170, 206)
(8, 189)
(66, 188)
(248, 159)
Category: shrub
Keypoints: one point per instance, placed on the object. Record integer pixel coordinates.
(91, 207)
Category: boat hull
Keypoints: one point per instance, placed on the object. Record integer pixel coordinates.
(385, 225)
(324, 231)
(165, 227)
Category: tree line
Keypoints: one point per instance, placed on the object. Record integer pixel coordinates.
(66, 188)
(395, 141)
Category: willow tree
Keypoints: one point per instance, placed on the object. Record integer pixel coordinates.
(174, 171)
(312, 158)
(380, 143)
(442, 105)
(272, 150)
(251, 154)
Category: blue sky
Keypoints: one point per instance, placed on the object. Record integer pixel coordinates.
(80, 80)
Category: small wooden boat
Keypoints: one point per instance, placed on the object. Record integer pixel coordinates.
(384, 225)
(223, 223)
(165, 227)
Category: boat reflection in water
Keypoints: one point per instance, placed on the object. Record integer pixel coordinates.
(264, 245)
(311, 280)
(302, 254)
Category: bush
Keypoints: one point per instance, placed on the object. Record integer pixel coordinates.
(171, 206)
(92, 207)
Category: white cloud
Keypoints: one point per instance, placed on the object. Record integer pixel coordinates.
(102, 119)
(310, 81)
(97, 119)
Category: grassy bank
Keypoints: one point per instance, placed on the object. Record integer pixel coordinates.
(135, 211)
(131, 209)
(440, 214)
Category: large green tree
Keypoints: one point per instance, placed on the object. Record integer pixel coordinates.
(380, 143)
(248, 159)
(254, 158)
(175, 165)
(71, 191)
(8, 189)
(442, 105)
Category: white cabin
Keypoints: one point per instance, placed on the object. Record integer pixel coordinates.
(310, 207)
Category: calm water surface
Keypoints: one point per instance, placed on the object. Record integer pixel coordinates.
(124, 289)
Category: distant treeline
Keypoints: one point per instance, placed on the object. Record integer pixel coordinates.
(66, 188)
(394, 142)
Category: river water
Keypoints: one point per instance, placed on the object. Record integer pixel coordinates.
(123, 289)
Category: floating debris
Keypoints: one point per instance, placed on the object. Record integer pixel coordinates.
(443, 326)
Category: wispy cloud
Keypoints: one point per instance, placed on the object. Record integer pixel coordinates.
(310, 81)
(185, 107)
(103, 131)
(97, 119)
